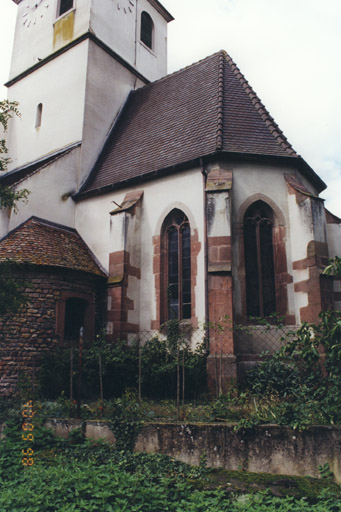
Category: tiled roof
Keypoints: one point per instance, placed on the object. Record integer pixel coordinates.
(38, 242)
(197, 111)
(19, 174)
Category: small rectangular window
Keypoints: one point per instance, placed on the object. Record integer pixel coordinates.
(64, 6)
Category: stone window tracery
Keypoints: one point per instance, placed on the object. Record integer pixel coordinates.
(259, 260)
(176, 240)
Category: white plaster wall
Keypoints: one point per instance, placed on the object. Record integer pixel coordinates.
(319, 220)
(184, 191)
(302, 228)
(308, 185)
(5, 216)
(47, 188)
(334, 239)
(116, 240)
(221, 225)
(60, 87)
(302, 232)
(108, 84)
(37, 41)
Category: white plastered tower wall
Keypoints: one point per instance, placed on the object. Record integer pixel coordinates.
(80, 67)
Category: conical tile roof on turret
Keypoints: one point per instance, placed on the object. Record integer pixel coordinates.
(203, 109)
(46, 244)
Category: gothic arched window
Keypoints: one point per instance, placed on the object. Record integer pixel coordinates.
(147, 28)
(259, 260)
(176, 242)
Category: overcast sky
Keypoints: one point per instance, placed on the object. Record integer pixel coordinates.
(289, 51)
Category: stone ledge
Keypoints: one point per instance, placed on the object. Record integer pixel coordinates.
(265, 449)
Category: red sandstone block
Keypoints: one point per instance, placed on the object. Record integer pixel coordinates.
(216, 241)
(127, 303)
(156, 263)
(116, 269)
(113, 316)
(157, 280)
(155, 325)
(224, 254)
(215, 282)
(213, 254)
(133, 271)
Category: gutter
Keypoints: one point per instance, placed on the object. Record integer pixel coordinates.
(216, 155)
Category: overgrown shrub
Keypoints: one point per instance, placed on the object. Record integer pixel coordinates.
(126, 421)
(305, 374)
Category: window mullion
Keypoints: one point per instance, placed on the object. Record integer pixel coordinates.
(180, 275)
(260, 272)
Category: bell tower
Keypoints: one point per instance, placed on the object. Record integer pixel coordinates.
(74, 63)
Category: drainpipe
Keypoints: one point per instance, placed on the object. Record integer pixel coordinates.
(204, 175)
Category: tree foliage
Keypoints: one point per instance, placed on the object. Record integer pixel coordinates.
(12, 296)
(334, 268)
(8, 197)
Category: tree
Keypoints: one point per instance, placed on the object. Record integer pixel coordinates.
(12, 296)
(8, 197)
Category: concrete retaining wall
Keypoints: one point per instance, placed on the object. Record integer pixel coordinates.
(267, 449)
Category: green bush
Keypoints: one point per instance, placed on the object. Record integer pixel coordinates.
(126, 421)
(305, 375)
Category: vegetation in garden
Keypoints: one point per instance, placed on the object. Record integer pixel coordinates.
(76, 474)
(297, 386)
(303, 379)
(157, 361)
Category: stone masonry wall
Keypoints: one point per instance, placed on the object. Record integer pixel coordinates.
(34, 329)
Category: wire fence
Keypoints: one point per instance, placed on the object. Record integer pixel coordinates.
(161, 365)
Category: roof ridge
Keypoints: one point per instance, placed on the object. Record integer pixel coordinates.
(53, 225)
(271, 124)
(41, 221)
(220, 121)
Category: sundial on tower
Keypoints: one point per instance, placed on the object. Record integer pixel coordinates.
(34, 10)
(126, 6)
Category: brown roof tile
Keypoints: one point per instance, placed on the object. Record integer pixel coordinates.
(202, 109)
(38, 242)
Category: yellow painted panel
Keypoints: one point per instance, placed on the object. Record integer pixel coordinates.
(63, 29)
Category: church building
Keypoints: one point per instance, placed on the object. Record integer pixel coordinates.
(152, 196)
